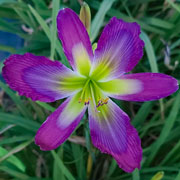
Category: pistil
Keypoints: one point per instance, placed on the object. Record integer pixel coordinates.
(91, 91)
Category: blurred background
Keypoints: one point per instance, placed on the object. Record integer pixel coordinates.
(29, 26)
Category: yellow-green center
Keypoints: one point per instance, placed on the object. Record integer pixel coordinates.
(91, 93)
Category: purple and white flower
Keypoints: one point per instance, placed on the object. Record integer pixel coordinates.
(95, 78)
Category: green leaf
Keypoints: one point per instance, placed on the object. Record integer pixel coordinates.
(46, 106)
(55, 4)
(112, 168)
(57, 172)
(14, 173)
(15, 139)
(178, 176)
(7, 49)
(150, 52)
(19, 121)
(142, 114)
(99, 18)
(169, 122)
(48, 34)
(23, 16)
(40, 113)
(11, 28)
(40, 4)
(152, 60)
(78, 155)
(17, 100)
(158, 22)
(41, 21)
(7, 1)
(175, 6)
(135, 175)
(15, 150)
(12, 159)
(62, 166)
(171, 153)
(114, 12)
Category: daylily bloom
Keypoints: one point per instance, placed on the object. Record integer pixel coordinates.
(95, 78)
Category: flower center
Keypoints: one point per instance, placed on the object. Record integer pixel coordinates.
(91, 93)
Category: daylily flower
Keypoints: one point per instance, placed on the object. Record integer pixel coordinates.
(95, 78)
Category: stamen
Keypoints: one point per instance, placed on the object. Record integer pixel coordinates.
(80, 100)
(86, 101)
(106, 100)
(91, 91)
(102, 101)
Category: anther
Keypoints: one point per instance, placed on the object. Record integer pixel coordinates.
(86, 101)
(106, 101)
(80, 100)
(102, 101)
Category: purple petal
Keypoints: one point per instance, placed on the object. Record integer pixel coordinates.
(60, 124)
(39, 78)
(112, 133)
(119, 48)
(153, 86)
(72, 32)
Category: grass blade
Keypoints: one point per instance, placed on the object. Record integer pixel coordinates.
(169, 122)
(15, 139)
(142, 114)
(135, 175)
(24, 111)
(99, 18)
(150, 52)
(41, 21)
(47, 31)
(175, 6)
(7, 49)
(78, 153)
(62, 166)
(152, 61)
(57, 172)
(19, 175)
(13, 159)
(46, 106)
(178, 176)
(55, 4)
(20, 121)
(15, 150)
(170, 154)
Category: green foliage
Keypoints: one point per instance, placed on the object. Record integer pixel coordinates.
(157, 122)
